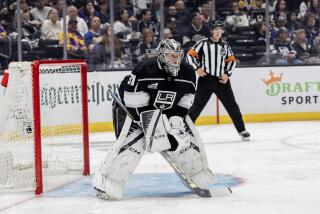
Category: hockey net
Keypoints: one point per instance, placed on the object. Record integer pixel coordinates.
(43, 123)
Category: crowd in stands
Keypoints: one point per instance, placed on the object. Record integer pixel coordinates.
(294, 29)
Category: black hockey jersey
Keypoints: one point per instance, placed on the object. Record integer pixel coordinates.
(257, 15)
(149, 87)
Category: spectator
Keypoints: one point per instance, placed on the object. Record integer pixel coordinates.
(40, 11)
(51, 27)
(82, 27)
(146, 22)
(122, 25)
(304, 51)
(148, 45)
(281, 10)
(260, 33)
(171, 15)
(257, 13)
(283, 51)
(75, 42)
(194, 32)
(309, 27)
(102, 50)
(206, 14)
(314, 8)
(237, 18)
(183, 16)
(280, 22)
(125, 5)
(87, 13)
(5, 13)
(167, 34)
(29, 31)
(104, 11)
(293, 23)
(94, 35)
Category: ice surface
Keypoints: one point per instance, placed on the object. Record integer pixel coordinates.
(277, 172)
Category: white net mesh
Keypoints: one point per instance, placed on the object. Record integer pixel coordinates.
(61, 123)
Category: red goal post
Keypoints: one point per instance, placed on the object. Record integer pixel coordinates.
(43, 122)
(37, 116)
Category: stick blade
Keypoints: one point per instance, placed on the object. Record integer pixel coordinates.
(220, 191)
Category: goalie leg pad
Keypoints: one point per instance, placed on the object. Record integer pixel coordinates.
(120, 162)
(190, 156)
(193, 161)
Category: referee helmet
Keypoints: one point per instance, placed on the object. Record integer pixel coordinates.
(217, 24)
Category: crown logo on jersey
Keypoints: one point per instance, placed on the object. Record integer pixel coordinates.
(272, 78)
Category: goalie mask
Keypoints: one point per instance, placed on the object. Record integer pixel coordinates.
(170, 55)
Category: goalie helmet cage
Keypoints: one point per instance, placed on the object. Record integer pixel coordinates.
(51, 130)
(37, 117)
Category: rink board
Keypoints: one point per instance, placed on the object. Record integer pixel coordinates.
(264, 94)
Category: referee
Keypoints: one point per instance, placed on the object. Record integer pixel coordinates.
(214, 62)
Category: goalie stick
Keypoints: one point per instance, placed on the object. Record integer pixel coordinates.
(205, 193)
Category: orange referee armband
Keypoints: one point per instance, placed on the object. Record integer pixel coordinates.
(230, 59)
(192, 53)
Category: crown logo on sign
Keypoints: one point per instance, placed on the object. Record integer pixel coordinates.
(272, 78)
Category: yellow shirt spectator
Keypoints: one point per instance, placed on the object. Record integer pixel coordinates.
(75, 41)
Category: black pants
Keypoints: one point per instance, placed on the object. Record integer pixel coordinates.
(208, 85)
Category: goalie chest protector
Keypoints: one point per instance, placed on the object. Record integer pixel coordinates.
(165, 91)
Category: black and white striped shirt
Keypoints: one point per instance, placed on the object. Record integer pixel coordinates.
(216, 58)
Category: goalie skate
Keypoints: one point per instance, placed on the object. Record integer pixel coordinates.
(102, 194)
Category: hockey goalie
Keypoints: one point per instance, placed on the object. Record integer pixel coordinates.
(153, 118)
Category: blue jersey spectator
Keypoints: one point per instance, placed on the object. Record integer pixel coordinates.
(94, 35)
